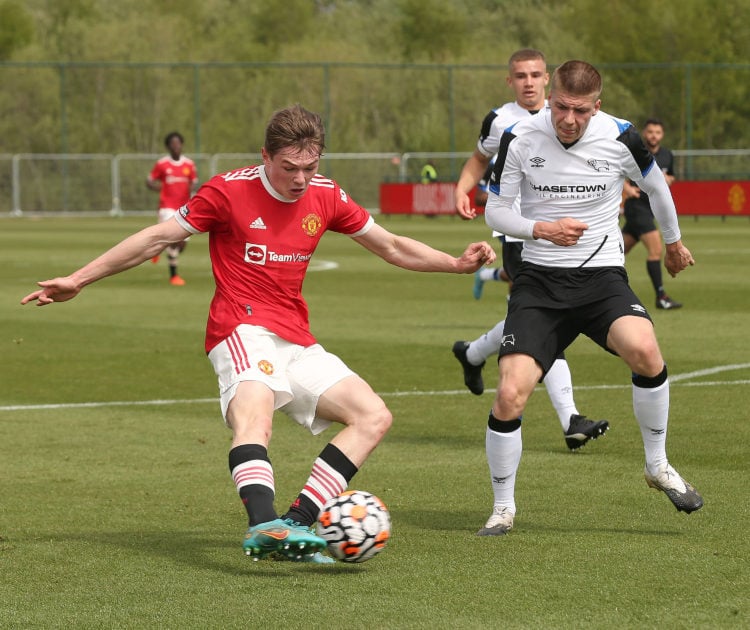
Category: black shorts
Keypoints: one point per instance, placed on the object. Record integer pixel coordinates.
(638, 221)
(511, 257)
(549, 307)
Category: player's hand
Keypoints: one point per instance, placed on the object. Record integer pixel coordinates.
(630, 191)
(677, 258)
(476, 255)
(57, 290)
(463, 206)
(564, 232)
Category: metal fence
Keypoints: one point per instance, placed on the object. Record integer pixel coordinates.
(118, 107)
(101, 183)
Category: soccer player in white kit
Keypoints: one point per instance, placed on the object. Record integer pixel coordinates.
(264, 223)
(569, 164)
(527, 77)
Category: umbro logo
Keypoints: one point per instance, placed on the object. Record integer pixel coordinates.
(638, 308)
(598, 165)
(537, 162)
(258, 224)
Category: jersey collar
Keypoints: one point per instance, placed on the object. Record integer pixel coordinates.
(270, 189)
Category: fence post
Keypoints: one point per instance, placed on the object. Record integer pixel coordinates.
(64, 133)
(116, 210)
(452, 124)
(197, 106)
(16, 185)
(689, 116)
(327, 97)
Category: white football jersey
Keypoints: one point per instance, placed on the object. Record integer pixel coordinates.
(493, 126)
(583, 181)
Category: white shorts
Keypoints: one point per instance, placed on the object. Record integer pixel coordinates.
(297, 375)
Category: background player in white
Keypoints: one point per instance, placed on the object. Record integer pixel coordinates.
(174, 177)
(569, 165)
(264, 224)
(639, 219)
(527, 77)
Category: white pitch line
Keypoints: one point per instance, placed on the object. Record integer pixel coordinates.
(194, 401)
(322, 265)
(709, 371)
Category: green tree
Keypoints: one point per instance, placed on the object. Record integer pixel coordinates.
(16, 28)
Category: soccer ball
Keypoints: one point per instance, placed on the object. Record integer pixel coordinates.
(355, 524)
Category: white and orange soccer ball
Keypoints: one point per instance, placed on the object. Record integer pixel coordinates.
(356, 525)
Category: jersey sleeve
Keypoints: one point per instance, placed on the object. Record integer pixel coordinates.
(157, 173)
(489, 137)
(207, 211)
(348, 217)
(505, 186)
(662, 204)
(642, 156)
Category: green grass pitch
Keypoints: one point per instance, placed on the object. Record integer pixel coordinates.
(125, 516)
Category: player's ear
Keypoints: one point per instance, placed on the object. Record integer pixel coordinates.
(597, 105)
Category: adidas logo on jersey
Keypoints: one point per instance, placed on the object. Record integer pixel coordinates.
(258, 224)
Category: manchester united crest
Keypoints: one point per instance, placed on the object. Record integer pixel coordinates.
(311, 224)
(266, 367)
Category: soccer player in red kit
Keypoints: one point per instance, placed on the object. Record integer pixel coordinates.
(174, 177)
(264, 223)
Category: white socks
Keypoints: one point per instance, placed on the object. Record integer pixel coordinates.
(558, 381)
(560, 390)
(651, 407)
(488, 344)
(503, 457)
(486, 274)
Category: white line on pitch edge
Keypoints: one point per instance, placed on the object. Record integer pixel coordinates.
(195, 401)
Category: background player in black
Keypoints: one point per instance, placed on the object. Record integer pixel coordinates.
(639, 219)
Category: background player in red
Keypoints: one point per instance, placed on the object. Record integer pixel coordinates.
(264, 224)
(174, 177)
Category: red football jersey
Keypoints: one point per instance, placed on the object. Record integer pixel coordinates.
(176, 177)
(261, 245)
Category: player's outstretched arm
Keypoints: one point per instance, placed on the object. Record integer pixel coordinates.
(131, 252)
(471, 173)
(416, 256)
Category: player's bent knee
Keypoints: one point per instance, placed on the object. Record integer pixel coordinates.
(511, 399)
(377, 422)
(645, 358)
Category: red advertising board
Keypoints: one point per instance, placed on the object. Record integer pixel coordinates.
(728, 198)
(435, 198)
(723, 198)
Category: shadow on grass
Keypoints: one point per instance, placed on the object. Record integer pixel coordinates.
(440, 520)
(200, 552)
